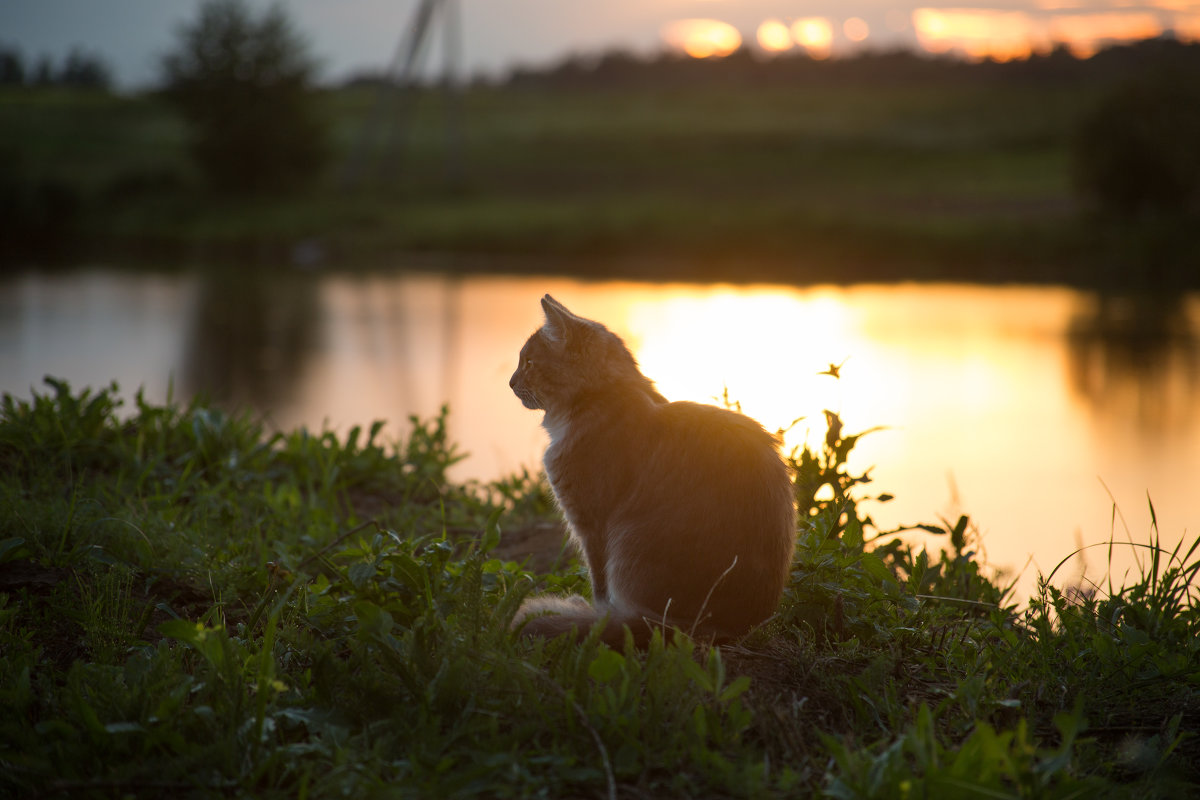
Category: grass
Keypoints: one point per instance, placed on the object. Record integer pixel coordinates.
(192, 607)
(917, 177)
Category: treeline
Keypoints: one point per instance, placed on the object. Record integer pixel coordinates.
(622, 69)
(78, 69)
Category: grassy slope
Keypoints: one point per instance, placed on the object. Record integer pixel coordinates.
(860, 173)
(190, 608)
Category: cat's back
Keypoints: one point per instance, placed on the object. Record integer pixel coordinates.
(706, 528)
(719, 438)
(706, 463)
(632, 432)
(646, 455)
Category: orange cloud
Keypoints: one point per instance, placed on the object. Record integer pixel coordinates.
(1005, 35)
(1187, 27)
(980, 33)
(1084, 34)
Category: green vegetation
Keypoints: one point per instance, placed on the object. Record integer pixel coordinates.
(805, 173)
(244, 82)
(1136, 152)
(901, 169)
(191, 607)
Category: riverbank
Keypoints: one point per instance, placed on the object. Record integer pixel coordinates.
(792, 183)
(191, 605)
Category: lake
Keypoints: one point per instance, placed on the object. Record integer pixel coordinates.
(1032, 409)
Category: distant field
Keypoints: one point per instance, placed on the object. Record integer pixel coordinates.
(925, 174)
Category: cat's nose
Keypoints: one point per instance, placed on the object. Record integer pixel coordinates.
(512, 382)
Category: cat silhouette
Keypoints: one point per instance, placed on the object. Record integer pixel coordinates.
(683, 512)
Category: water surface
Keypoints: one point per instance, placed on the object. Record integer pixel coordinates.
(1031, 409)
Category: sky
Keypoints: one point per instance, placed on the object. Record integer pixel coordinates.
(350, 35)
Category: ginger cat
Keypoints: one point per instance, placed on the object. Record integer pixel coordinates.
(683, 512)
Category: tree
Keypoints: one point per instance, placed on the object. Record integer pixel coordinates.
(80, 70)
(43, 73)
(1136, 153)
(84, 71)
(245, 84)
(12, 68)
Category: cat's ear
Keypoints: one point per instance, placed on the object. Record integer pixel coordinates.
(559, 321)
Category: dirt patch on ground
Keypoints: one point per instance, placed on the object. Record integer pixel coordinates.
(541, 546)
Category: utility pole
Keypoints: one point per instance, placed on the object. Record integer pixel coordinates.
(383, 137)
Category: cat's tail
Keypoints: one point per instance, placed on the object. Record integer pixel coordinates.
(550, 616)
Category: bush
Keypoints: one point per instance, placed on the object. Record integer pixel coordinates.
(1136, 153)
(244, 83)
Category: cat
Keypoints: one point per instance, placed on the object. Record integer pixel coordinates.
(683, 512)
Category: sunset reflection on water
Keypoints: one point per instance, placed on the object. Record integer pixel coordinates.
(975, 388)
(992, 404)
(1021, 406)
(754, 344)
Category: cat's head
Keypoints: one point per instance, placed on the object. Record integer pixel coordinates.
(570, 356)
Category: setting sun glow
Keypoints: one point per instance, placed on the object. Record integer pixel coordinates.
(814, 34)
(774, 36)
(1083, 34)
(703, 38)
(686, 343)
(981, 33)
(856, 29)
(977, 33)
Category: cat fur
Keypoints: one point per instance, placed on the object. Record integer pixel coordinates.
(683, 512)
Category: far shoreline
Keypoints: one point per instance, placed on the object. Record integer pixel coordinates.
(1078, 263)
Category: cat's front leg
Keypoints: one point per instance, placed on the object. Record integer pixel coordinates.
(595, 554)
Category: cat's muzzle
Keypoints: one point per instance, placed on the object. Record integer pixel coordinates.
(527, 398)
